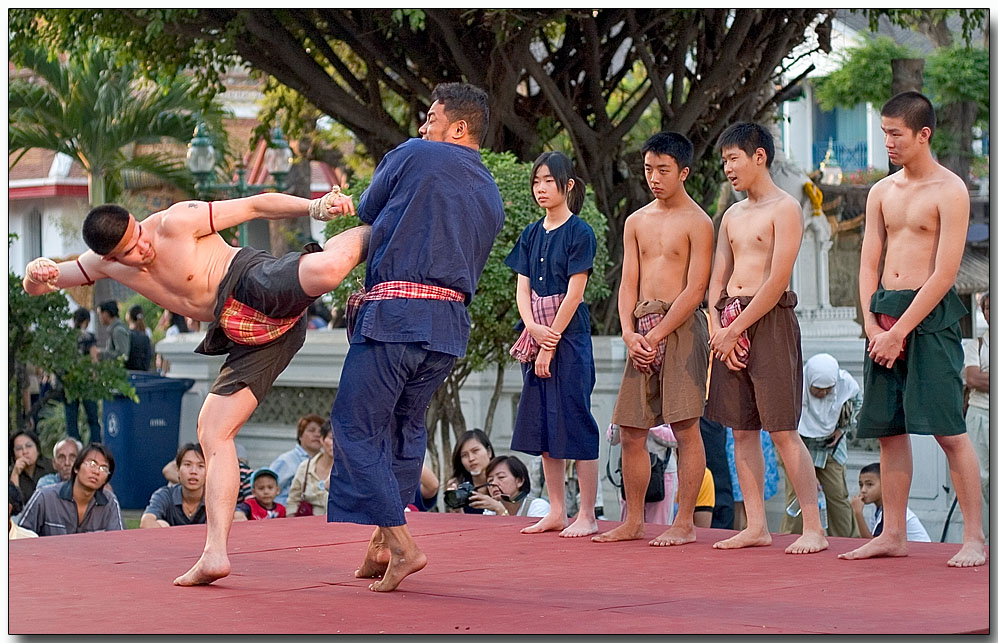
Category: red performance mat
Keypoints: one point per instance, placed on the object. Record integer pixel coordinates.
(295, 575)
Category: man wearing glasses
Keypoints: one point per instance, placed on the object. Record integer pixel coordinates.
(79, 505)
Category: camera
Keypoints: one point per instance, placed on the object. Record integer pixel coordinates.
(460, 497)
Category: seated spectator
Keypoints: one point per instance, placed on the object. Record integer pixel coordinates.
(309, 491)
(471, 456)
(140, 342)
(14, 506)
(27, 464)
(286, 465)
(172, 323)
(245, 474)
(870, 493)
(703, 511)
(262, 505)
(426, 493)
(81, 504)
(319, 316)
(64, 455)
(183, 503)
(509, 490)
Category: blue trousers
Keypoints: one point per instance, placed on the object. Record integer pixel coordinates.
(379, 430)
(73, 418)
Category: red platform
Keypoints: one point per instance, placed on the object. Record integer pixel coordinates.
(296, 576)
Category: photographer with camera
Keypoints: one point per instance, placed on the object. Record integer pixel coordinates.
(471, 456)
(509, 490)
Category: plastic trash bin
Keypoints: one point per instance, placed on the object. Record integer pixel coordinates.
(143, 437)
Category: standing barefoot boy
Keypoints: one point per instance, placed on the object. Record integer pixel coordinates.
(756, 380)
(916, 221)
(667, 252)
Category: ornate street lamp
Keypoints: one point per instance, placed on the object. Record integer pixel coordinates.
(201, 160)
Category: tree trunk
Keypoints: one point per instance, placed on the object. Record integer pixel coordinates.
(957, 120)
(494, 401)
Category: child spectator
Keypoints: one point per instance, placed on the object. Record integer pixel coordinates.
(553, 259)
(261, 505)
(870, 493)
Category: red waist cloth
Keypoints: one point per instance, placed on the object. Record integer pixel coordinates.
(887, 322)
(248, 326)
(544, 310)
(396, 290)
(728, 314)
(645, 324)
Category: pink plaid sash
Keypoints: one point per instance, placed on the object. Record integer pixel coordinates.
(396, 290)
(645, 324)
(544, 310)
(729, 313)
(887, 322)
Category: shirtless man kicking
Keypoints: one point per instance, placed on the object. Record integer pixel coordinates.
(756, 379)
(667, 253)
(916, 222)
(254, 303)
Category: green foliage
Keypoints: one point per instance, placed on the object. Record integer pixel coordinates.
(865, 74)
(917, 19)
(94, 108)
(955, 74)
(493, 310)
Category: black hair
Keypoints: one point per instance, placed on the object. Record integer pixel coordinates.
(457, 467)
(464, 102)
(516, 467)
(110, 307)
(914, 109)
(561, 168)
(104, 227)
(748, 137)
(15, 498)
(137, 315)
(82, 457)
(189, 446)
(873, 467)
(179, 321)
(671, 144)
(80, 315)
(31, 435)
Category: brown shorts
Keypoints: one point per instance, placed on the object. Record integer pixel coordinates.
(766, 394)
(677, 392)
(271, 286)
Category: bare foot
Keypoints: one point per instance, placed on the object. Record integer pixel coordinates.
(745, 538)
(675, 535)
(547, 523)
(808, 544)
(621, 532)
(971, 554)
(581, 527)
(375, 562)
(879, 546)
(208, 569)
(401, 565)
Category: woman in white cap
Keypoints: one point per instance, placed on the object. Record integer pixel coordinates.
(831, 399)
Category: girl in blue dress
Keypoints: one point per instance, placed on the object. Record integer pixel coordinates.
(553, 259)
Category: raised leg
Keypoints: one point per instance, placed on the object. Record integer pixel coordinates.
(750, 466)
(220, 419)
(636, 473)
(320, 272)
(691, 466)
(800, 471)
(895, 484)
(966, 475)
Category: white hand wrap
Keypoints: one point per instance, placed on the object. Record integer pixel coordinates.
(318, 209)
(36, 264)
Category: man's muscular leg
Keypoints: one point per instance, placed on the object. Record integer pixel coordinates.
(966, 475)
(751, 468)
(220, 419)
(895, 484)
(691, 472)
(320, 272)
(800, 472)
(636, 473)
(404, 558)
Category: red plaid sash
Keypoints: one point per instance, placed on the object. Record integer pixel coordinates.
(544, 310)
(645, 324)
(887, 322)
(248, 326)
(728, 314)
(396, 290)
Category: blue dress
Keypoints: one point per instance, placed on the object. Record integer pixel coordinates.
(554, 415)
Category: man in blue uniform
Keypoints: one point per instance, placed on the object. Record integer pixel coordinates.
(435, 212)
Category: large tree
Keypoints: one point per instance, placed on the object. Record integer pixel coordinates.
(586, 75)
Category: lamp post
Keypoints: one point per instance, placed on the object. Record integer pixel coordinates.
(201, 162)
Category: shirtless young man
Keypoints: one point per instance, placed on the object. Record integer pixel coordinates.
(667, 253)
(756, 379)
(176, 258)
(916, 222)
